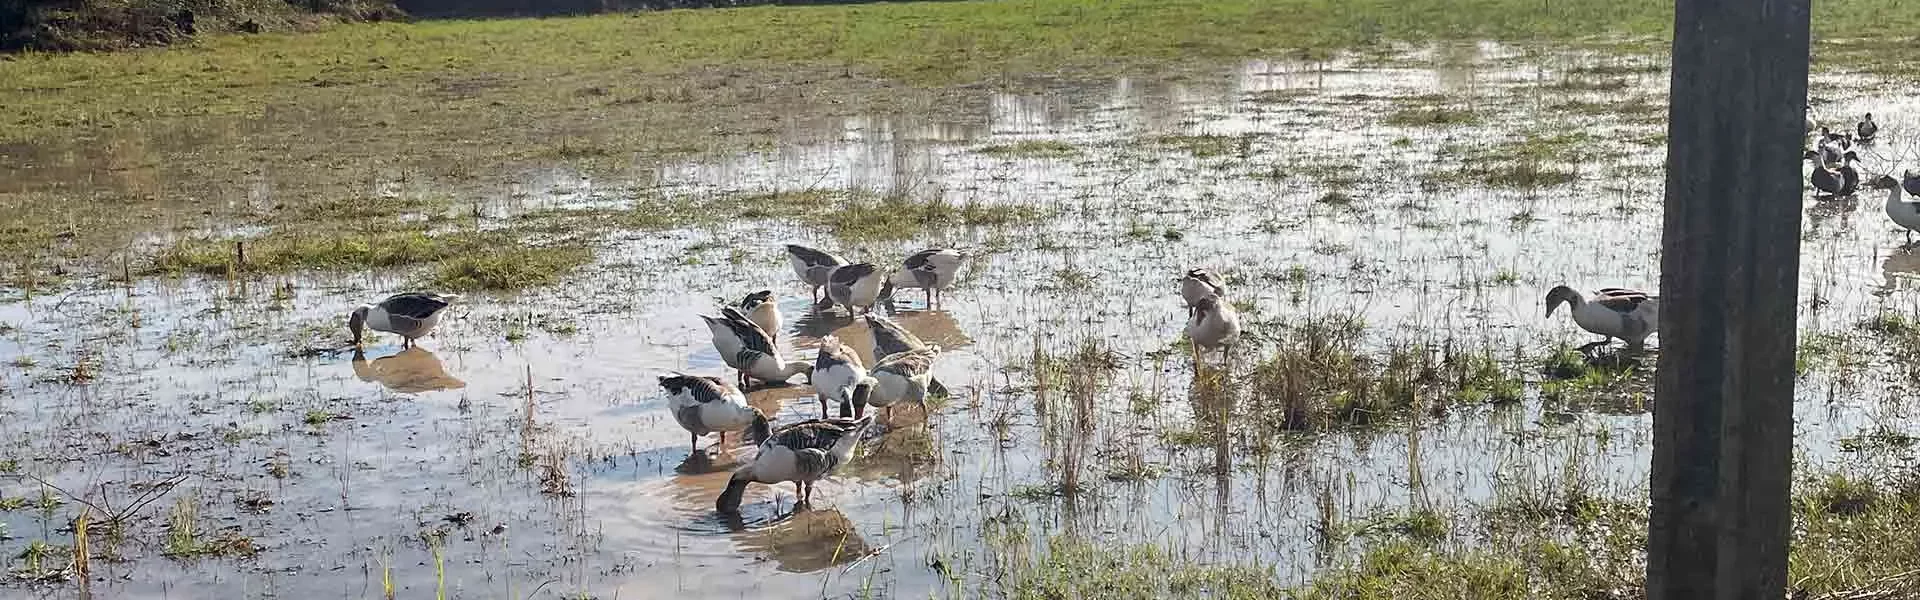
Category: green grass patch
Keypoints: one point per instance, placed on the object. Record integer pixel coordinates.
(510, 268)
(1032, 149)
(1430, 117)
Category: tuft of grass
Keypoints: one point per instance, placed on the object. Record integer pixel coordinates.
(1032, 149)
(1430, 117)
(1072, 567)
(511, 268)
(1841, 495)
(1207, 146)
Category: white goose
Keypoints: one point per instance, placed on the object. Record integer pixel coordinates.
(760, 309)
(748, 349)
(901, 377)
(813, 266)
(839, 376)
(1903, 213)
(1213, 324)
(704, 405)
(855, 286)
(932, 270)
(1198, 284)
(802, 453)
(1630, 315)
(412, 315)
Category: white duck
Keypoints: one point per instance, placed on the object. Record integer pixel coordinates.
(1630, 315)
(1213, 324)
(1198, 284)
(704, 405)
(748, 349)
(803, 453)
(932, 270)
(760, 309)
(1903, 213)
(901, 377)
(855, 286)
(839, 376)
(813, 266)
(412, 315)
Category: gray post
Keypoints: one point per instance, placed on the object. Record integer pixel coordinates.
(1723, 408)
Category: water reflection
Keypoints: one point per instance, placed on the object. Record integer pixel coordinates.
(412, 371)
(1901, 269)
(807, 540)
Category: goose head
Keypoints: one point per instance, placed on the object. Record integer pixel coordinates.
(357, 322)
(1561, 294)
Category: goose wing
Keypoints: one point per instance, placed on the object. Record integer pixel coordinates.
(814, 258)
(847, 275)
(1621, 300)
(705, 390)
(755, 299)
(414, 305)
(889, 338)
(751, 337)
(815, 434)
(907, 364)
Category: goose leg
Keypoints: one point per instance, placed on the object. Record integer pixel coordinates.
(693, 443)
(823, 405)
(723, 442)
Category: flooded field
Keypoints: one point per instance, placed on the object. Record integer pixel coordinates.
(1387, 227)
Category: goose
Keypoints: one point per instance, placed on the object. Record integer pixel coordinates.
(748, 349)
(1910, 181)
(901, 377)
(889, 338)
(803, 453)
(1198, 284)
(1630, 315)
(760, 309)
(1838, 181)
(704, 405)
(838, 375)
(1866, 128)
(1213, 324)
(1831, 148)
(412, 315)
(931, 270)
(813, 266)
(1903, 213)
(855, 286)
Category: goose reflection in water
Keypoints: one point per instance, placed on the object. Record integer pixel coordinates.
(804, 540)
(412, 371)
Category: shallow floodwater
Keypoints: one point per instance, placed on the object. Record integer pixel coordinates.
(525, 447)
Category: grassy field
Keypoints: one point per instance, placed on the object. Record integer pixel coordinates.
(166, 136)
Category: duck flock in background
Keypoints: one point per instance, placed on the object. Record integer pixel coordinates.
(746, 335)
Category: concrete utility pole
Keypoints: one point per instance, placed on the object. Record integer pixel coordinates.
(1730, 260)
